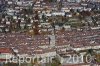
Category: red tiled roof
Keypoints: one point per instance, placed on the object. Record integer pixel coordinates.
(1, 60)
(5, 50)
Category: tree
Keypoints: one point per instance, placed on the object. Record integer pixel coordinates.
(44, 17)
(55, 62)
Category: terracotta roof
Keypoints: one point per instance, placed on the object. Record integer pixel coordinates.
(1, 60)
(5, 50)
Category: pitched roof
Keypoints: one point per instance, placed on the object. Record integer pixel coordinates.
(5, 50)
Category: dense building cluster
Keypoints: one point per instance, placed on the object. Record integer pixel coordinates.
(50, 30)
